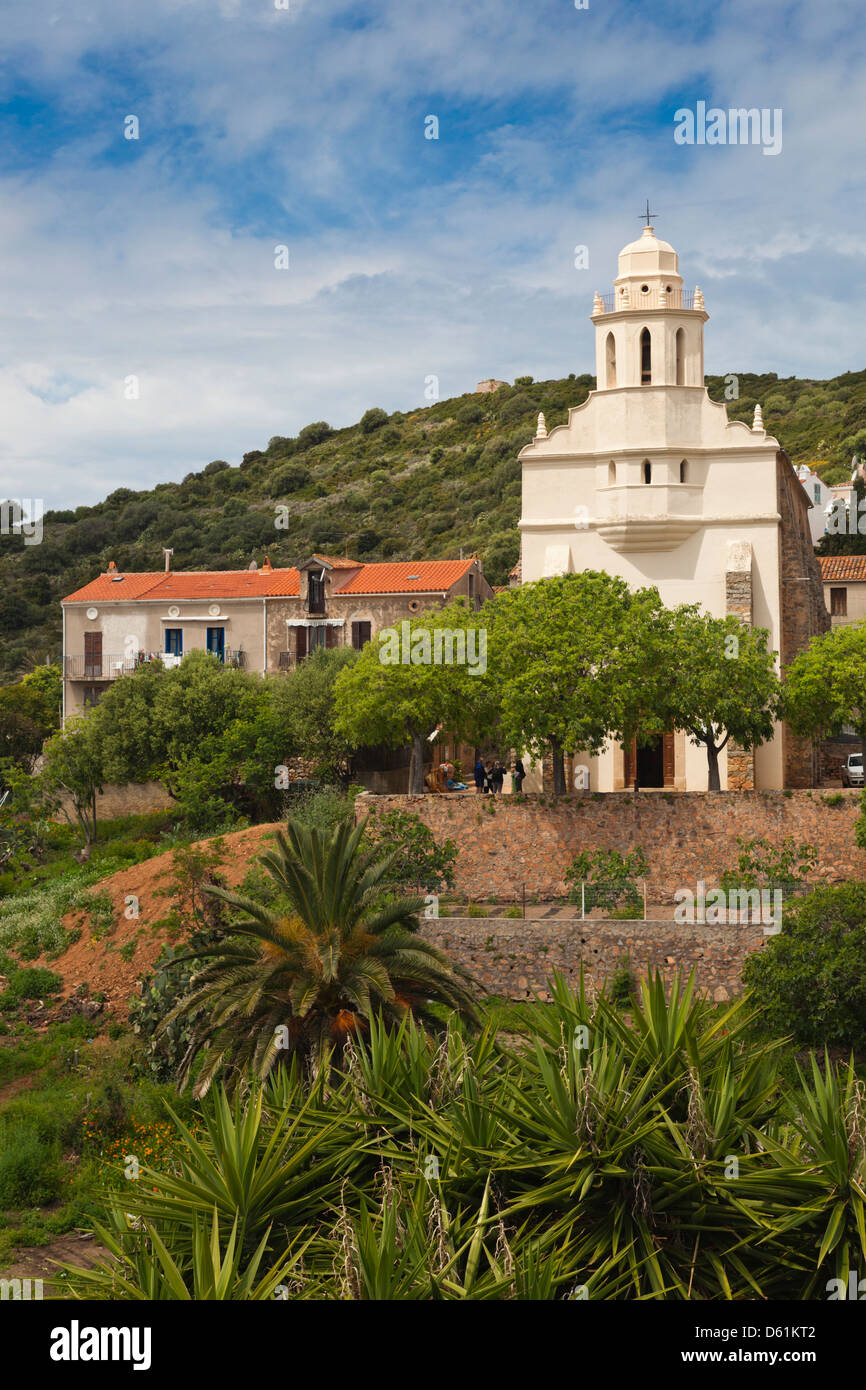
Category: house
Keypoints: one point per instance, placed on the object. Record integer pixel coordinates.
(844, 579)
(649, 480)
(821, 498)
(261, 619)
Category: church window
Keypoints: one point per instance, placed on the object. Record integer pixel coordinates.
(647, 471)
(610, 356)
(644, 289)
(684, 471)
(611, 474)
(646, 371)
(681, 357)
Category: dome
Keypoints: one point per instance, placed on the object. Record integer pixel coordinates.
(647, 241)
(646, 257)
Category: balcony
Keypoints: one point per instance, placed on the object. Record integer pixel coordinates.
(649, 516)
(653, 299)
(108, 668)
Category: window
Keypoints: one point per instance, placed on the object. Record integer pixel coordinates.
(647, 471)
(611, 474)
(318, 636)
(684, 471)
(816, 494)
(316, 594)
(174, 641)
(646, 370)
(681, 357)
(92, 694)
(839, 603)
(361, 633)
(610, 360)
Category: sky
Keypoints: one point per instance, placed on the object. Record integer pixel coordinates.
(147, 327)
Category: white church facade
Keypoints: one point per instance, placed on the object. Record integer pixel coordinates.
(649, 480)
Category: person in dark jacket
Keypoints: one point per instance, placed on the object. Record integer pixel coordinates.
(478, 772)
(497, 776)
(519, 774)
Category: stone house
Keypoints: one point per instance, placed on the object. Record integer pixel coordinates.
(261, 619)
(844, 578)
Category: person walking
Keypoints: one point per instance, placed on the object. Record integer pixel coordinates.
(518, 775)
(488, 775)
(497, 776)
(478, 772)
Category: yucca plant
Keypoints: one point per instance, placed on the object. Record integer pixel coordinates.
(304, 976)
(143, 1267)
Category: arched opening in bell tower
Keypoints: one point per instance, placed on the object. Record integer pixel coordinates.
(610, 361)
(646, 367)
(681, 357)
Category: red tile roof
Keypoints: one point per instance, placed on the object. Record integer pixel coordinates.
(189, 586)
(405, 577)
(847, 567)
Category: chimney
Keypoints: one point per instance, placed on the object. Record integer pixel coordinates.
(267, 567)
(112, 567)
(168, 554)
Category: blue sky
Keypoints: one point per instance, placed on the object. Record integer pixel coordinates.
(409, 257)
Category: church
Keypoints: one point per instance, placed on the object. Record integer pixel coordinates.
(651, 481)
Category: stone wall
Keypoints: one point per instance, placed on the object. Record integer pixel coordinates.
(506, 842)
(804, 614)
(130, 798)
(516, 958)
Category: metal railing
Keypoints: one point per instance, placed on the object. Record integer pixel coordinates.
(109, 667)
(653, 299)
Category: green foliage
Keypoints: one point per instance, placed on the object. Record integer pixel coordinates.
(419, 862)
(32, 922)
(809, 979)
(384, 701)
(29, 1169)
(761, 864)
(605, 878)
(824, 684)
(373, 420)
(199, 920)
(594, 1160)
(303, 974)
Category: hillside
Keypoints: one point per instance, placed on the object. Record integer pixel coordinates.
(415, 485)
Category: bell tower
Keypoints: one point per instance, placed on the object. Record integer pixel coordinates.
(648, 332)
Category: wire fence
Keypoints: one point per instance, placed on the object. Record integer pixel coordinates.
(649, 899)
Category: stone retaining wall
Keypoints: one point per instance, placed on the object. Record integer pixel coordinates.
(515, 959)
(506, 842)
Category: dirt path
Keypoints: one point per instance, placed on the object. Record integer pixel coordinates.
(41, 1261)
(98, 963)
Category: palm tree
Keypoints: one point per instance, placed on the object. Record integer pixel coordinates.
(303, 976)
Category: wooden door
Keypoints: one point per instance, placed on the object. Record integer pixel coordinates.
(93, 656)
(668, 760)
(301, 643)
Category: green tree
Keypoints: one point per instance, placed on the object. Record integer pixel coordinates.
(720, 684)
(825, 684)
(304, 976)
(809, 980)
(397, 692)
(572, 664)
(304, 704)
(73, 768)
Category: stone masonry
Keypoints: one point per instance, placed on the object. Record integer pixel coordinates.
(508, 842)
